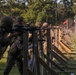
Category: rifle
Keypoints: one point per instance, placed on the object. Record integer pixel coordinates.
(2, 49)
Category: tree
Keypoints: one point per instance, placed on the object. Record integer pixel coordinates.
(74, 7)
(39, 11)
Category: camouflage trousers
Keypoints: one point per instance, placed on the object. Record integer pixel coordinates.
(12, 59)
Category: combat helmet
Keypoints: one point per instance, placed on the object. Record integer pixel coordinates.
(6, 21)
(19, 19)
(45, 24)
(6, 24)
(38, 24)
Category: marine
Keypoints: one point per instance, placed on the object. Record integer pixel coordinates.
(14, 54)
(5, 29)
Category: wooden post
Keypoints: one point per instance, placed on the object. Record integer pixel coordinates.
(35, 50)
(49, 45)
(42, 53)
(25, 53)
(56, 37)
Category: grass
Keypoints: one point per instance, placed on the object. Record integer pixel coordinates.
(15, 71)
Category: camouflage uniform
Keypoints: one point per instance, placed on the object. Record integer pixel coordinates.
(5, 28)
(14, 54)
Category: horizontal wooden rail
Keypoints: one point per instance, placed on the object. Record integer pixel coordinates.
(46, 66)
(59, 52)
(63, 62)
(53, 63)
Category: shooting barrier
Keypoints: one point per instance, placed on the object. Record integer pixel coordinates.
(48, 47)
(43, 61)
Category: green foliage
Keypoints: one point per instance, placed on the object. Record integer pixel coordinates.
(74, 9)
(74, 1)
(29, 16)
(39, 10)
(74, 6)
(41, 17)
(16, 11)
